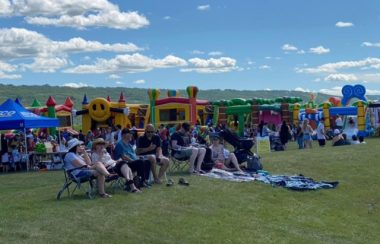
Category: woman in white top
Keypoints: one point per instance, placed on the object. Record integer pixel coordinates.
(221, 155)
(77, 157)
(307, 133)
(100, 154)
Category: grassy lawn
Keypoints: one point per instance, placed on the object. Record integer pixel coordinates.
(209, 210)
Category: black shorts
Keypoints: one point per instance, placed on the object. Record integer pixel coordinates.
(322, 142)
(117, 168)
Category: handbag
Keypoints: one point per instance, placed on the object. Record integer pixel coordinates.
(253, 163)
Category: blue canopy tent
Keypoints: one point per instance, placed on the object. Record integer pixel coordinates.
(15, 116)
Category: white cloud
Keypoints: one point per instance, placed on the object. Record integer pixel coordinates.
(6, 67)
(212, 65)
(167, 17)
(289, 48)
(139, 82)
(341, 24)
(335, 91)
(49, 55)
(128, 64)
(215, 53)
(77, 14)
(5, 8)
(341, 77)
(264, 67)
(250, 62)
(370, 44)
(197, 52)
(46, 64)
(204, 7)
(319, 50)
(75, 85)
(114, 77)
(118, 83)
(9, 76)
(334, 67)
(300, 89)
(301, 51)
(269, 58)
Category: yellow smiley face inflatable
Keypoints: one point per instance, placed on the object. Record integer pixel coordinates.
(99, 109)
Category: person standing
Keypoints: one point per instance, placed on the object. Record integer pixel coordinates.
(285, 134)
(307, 133)
(338, 122)
(321, 136)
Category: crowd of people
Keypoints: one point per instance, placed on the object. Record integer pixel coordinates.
(304, 133)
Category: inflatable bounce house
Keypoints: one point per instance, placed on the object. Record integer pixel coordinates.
(102, 112)
(243, 112)
(175, 109)
(63, 112)
(334, 107)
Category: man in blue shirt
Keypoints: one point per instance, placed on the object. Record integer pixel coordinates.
(125, 151)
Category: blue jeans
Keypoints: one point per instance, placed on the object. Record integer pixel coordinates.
(300, 142)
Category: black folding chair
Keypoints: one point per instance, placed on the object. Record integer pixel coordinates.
(70, 179)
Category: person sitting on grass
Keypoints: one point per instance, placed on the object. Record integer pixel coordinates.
(78, 157)
(354, 140)
(150, 145)
(120, 167)
(180, 142)
(221, 156)
(338, 139)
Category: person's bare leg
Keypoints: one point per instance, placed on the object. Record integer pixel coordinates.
(232, 158)
(201, 156)
(193, 157)
(101, 169)
(128, 175)
(153, 163)
(164, 166)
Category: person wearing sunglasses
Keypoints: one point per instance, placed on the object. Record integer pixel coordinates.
(149, 146)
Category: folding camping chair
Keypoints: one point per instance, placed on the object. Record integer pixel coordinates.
(70, 178)
(178, 164)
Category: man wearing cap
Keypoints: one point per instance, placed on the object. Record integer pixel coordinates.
(124, 150)
(150, 145)
(180, 142)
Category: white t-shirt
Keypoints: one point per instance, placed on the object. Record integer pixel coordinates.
(321, 131)
(339, 121)
(105, 159)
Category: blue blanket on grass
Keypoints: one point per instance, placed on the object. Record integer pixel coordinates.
(295, 182)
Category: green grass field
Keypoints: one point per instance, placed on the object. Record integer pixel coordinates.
(208, 211)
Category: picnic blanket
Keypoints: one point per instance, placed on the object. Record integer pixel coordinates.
(294, 182)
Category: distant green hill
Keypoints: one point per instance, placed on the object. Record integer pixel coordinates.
(135, 95)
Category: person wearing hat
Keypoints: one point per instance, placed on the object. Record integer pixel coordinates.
(100, 154)
(78, 157)
(124, 151)
(221, 156)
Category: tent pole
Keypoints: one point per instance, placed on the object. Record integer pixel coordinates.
(26, 151)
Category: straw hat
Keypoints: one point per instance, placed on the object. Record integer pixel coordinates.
(99, 141)
(73, 143)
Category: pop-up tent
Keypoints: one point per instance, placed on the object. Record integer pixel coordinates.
(15, 116)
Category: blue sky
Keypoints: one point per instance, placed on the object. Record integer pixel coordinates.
(226, 44)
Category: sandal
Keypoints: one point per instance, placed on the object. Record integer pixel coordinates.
(183, 182)
(105, 195)
(170, 182)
